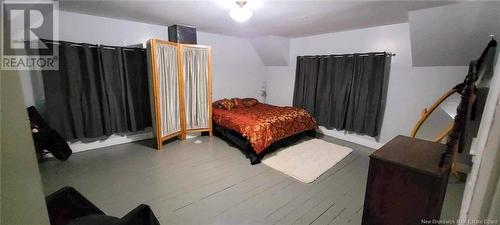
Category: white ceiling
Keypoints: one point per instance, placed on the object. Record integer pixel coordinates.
(280, 18)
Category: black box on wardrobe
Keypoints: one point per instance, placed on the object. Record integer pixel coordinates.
(182, 34)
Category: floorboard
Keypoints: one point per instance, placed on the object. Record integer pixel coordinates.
(212, 183)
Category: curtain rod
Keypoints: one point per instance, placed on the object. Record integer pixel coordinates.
(351, 55)
(73, 44)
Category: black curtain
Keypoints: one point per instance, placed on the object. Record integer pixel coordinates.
(305, 83)
(97, 91)
(367, 96)
(343, 92)
(135, 71)
(111, 60)
(332, 90)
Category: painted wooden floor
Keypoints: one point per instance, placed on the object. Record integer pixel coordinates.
(210, 183)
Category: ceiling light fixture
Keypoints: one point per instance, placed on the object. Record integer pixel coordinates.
(241, 13)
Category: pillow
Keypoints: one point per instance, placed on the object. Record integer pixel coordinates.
(218, 104)
(238, 103)
(249, 102)
(224, 104)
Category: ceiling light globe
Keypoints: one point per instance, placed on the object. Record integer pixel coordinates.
(240, 14)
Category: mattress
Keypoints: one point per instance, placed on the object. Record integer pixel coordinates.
(264, 124)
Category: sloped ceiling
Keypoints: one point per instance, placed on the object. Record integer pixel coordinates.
(273, 50)
(274, 17)
(452, 35)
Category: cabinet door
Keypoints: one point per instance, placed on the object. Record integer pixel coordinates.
(167, 94)
(196, 78)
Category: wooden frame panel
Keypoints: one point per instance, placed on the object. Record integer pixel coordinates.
(209, 89)
(156, 101)
(210, 100)
(181, 91)
(152, 46)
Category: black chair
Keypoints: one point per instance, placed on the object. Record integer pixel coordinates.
(68, 207)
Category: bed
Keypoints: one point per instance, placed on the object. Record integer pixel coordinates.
(258, 129)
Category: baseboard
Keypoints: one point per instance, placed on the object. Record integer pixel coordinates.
(357, 139)
(110, 141)
(127, 138)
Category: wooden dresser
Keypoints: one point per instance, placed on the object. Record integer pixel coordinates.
(405, 183)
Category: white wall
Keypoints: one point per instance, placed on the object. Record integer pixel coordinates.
(22, 200)
(410, 88)
(100, 30)
(453, 34)
(236, 67)
(237, 70)
(273, 50)
(95, 30)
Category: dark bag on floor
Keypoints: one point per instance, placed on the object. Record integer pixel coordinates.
(67, 204)
(47, 138)
(68, 207)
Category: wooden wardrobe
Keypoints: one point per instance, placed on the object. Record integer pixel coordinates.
(180, 81)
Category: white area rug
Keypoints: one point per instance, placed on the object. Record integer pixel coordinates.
(307, 160)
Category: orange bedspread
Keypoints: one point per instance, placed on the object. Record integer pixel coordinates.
(264, 124)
